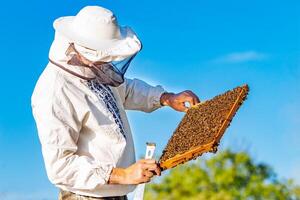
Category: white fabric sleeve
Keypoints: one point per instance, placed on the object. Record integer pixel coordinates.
(59, 126)
(142, 96)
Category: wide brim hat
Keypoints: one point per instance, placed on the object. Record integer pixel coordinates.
(96, 28)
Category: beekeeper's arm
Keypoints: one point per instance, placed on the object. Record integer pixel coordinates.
(59, 125)
(138, 95)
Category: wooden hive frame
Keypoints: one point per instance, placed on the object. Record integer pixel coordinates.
(209, 147)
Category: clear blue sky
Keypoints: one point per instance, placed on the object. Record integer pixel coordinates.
(205, 46)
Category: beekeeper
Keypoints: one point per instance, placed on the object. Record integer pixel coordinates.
(79, 105)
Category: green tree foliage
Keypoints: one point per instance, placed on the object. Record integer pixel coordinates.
(226, 176)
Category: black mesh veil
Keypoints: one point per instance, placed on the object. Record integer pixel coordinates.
(110, 73)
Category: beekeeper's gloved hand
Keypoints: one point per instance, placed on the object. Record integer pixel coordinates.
(178, 101)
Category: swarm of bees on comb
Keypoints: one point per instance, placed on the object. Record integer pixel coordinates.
(202, 128)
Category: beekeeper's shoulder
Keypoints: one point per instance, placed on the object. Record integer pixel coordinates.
(54, 84)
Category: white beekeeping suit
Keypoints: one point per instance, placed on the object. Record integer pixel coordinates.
(82, 124)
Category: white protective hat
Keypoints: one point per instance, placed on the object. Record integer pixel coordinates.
(96, 28)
